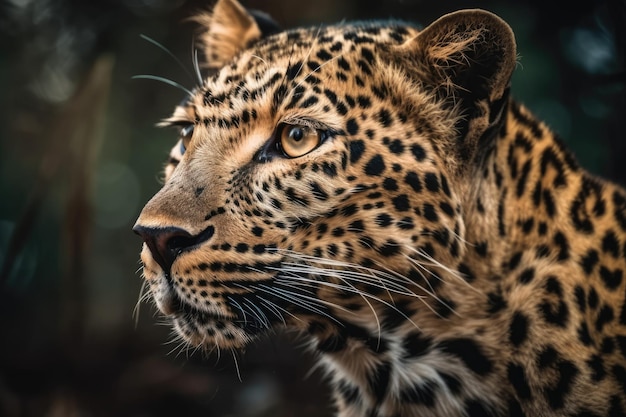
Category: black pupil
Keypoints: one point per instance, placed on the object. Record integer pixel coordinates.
(296, 134)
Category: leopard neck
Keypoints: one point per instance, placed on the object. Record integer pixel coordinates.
(516, 185)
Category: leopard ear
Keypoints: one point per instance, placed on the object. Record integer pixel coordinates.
(467, 58)
(469, 50)
(230, 28)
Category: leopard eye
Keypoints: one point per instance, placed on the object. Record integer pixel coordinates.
(185, 135)
(298, 140)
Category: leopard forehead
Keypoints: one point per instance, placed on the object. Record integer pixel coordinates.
(335, 75)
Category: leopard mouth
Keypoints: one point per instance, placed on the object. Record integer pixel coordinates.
(246, 317)
(235, 310)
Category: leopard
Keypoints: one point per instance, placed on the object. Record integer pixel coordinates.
(374, 188)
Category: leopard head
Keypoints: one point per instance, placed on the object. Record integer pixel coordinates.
(321, 172)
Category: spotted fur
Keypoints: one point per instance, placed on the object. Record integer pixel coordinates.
(438, 247)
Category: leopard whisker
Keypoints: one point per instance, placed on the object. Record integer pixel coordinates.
(423, 271)
(271, 291)
(432, 290)
(308, 54)
(360, 278)
(263, 320)
(243, 312)
(143, 296)
(173, 336)
(168, 52)
(196, 348)
(364, 297)
(196, 67)
(209, 352)
(462, 239)
(433, 262)
(232, 351)
(180, 344)
(163, 322)
(183, 348)
(394, 282)
(453, 233)
(456, 274)
(315, 70)
(306, 269)
(274, 308)
(259, 58)
(293, 298)
(219, 353)
(427, 261)
(290, 284)
(352, 289)
(163, 80)
(403, 281)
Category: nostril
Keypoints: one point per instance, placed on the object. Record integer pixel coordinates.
(180, 242)
(205, 235)
(166, 243)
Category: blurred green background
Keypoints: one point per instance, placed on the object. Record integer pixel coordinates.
(80, 155)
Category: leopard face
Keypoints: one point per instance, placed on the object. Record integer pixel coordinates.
(284, 175)
(373, 187)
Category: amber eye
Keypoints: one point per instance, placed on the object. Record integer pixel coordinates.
(185, 135)
(298, 140)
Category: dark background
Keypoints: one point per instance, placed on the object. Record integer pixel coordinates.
(80, 155)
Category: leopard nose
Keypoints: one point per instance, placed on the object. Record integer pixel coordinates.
(166, 243)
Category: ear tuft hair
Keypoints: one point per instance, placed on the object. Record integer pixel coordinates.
(466, 59)
(471, 50)
(229, 28)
